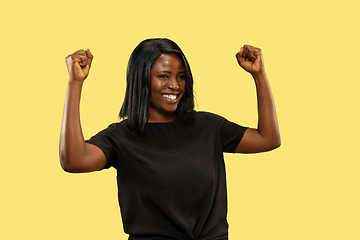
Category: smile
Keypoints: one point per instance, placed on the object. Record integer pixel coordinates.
(170, 97)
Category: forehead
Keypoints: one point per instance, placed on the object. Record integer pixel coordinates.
(167, 61)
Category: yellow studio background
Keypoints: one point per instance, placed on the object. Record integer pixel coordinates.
(306, 189)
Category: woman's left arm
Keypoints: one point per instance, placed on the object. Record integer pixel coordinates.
(267, 136)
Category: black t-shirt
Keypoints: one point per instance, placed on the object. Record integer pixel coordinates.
(171, 179)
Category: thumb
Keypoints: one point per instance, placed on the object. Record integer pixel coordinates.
(71, 63)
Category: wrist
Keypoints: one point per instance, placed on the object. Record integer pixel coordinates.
(75, 83)
(259, 75)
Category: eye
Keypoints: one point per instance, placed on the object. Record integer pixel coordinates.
(182, 77)
(163, 76)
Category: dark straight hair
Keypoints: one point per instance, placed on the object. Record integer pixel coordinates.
(138, 83)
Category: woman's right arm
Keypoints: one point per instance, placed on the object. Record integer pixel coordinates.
(75, 155)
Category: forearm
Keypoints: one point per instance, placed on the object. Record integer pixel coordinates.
(267, 120)
(72, 143)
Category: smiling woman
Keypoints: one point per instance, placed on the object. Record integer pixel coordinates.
(158, 53)
(169, 158)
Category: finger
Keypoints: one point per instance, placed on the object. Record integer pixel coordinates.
(258, 56)
(257, 51)
(246, 52)
(80, 59)
(242, 62)
(80, 52)
(75, 56)
(239, 55)
(249, 53)
(89, 56)
(243, 53)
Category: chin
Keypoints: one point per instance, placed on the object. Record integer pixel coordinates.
(171, 110)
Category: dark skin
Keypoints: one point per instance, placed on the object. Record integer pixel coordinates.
(267, 136)
(167, 87)
(77, 156)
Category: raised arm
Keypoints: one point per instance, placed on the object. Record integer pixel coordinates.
(267, 136)
(75, 154)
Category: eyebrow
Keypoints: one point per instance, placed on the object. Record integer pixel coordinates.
(181, 72)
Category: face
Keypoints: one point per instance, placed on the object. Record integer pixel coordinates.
(167, 87)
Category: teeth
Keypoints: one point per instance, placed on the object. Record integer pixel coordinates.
(173, 97)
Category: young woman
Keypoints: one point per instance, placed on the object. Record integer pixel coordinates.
(169, 158)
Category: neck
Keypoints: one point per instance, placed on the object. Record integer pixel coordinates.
(158, 118)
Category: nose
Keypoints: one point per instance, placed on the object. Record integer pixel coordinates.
(173, 84)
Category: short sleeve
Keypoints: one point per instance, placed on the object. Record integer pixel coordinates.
(231, 135)
(106, 141)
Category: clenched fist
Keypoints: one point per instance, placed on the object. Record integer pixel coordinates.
(251, 60)
(79, 64)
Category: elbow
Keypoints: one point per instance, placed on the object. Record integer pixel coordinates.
(276, 143)
(66, 164)
(64, 160)
(271, 143)
(66, 168)
(69, 168)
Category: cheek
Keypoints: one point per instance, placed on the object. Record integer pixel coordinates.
(182, 85)
(156, 86)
